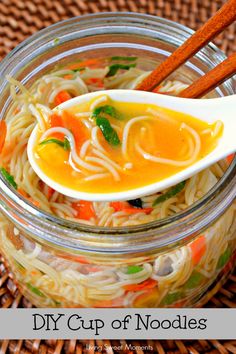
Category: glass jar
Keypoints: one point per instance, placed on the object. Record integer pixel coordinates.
(58, 263)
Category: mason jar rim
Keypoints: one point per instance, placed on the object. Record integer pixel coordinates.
(47, 226)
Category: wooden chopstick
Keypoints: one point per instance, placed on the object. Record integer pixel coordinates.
(212, 79)
(216, 24)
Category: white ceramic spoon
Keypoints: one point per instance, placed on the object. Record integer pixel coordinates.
(207, 110)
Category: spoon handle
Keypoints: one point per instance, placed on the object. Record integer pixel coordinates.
(212, 79)
(216, 24)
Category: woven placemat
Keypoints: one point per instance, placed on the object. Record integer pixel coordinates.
(18, 20)
(21, 18)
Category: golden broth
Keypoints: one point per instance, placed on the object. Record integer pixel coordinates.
(160, 135)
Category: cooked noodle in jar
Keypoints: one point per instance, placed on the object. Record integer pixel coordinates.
(174, 278)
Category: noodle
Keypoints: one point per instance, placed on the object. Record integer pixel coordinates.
(174, 162)
(127, 130)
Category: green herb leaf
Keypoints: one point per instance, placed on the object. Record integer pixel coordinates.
(64, 144)
(171, 298)
(52, 141)
(115, 67)
(170, 193)
(35, 290)
(56, 302)
(224, 258)
(124, 58)
(56, 40)
(194, 280)
(78, 69)
(8, 177)
(108, 132)
(133, 269)
(110, 110)
(19, 265)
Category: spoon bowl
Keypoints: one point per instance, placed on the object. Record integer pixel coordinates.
(206, 110)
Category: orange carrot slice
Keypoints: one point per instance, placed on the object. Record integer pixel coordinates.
(76, 127)
(157, 88)
(82, 260)
(84, 210)
(68, 77)
(147, 284)
(34, 202)
(56, 121)
(26, 196)
(147, 299)
(17, 110)
(168, 93)
(104, 303)
(3, 133)
(50, 192)
(179, 304)
(230, 158)
(137, 210)
(198, 248)
(119, 206)
(75, 258)
(61, 97)
(93, 269)
(22, 192)
(124, 206)
(118, 302)
(72, 123)
(96, 81)
(89, 63)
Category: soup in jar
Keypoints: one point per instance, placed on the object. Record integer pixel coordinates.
(171, 279)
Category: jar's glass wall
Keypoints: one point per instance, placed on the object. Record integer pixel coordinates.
(180, 277)
(56, 275)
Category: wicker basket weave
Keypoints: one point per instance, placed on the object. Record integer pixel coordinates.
(18, 20)
(21, 18)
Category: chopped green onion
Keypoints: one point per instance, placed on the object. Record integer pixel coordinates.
(35, 290)
(194, 280)
(65, 144)
(111, 111)
(56, 302)
(170, 193)
(115, 67)
(108, 132)
(171, 298)
(56, 40)
(19, 265)
(223, 258)
(8, 177)
(133, 269)
(124, 58)
(54, 141)
(78, 69)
